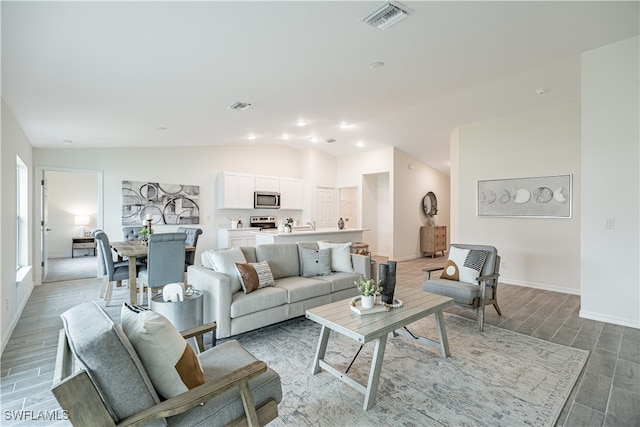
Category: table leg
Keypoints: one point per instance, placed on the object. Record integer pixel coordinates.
(133, 290)
(321, 350)
(119, 282)
(442, 332)
(374, 373)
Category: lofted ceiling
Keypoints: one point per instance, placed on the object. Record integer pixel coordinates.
(151, 74)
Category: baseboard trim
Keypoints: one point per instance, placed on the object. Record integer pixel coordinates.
(16, 317)
(543, 286)
(632, 323)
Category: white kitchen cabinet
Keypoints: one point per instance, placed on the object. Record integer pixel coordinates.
(267, 183)
(235, 190)
(290, 193)
(236, 237)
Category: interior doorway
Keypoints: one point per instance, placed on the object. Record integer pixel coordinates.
(377, 213)
(70, 208)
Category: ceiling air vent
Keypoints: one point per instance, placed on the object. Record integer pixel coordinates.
(240, 106)
(384, 16)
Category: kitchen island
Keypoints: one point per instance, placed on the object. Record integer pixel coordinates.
(335, 235)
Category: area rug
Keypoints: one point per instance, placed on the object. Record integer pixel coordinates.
(493, 378)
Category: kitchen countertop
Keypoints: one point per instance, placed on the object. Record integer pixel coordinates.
(308, 231)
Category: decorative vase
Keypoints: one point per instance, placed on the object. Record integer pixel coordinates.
(367, 301)
(387, 276)
(287, 229)
(340, 223)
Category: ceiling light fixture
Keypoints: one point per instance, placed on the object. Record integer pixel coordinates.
(360, 143)
(285, 136)
(67, 142)
(240, 106)
(542, 90)
(386, 15)
(313, 139)
(301, 123)
(251, 136)
(345, 125)
(376, 65)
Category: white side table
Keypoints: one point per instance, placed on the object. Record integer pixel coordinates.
(182, 314)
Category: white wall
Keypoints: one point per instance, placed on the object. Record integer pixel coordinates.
(69, 194)
(412, 181)
(13, 295)
(610, 183)
(537, 252)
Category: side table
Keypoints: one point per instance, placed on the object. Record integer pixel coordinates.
(182, 314)
(83, 243)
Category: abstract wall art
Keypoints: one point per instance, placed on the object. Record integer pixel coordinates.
(543, 197)
(166, 203)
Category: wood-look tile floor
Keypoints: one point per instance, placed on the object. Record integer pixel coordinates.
(606, 394)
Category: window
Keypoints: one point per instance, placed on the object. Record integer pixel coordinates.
(22, 214)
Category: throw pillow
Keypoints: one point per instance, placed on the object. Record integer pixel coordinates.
(340, 256)
(171, 363)
(254, 275)
(224, 261)
(315, 262)
(464, 265)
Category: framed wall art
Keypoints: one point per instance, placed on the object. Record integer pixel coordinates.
(166, 203)
(541, 197)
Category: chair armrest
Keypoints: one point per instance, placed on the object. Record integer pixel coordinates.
(488, 277)
(197, 333)
(428, 271)
(196, 396)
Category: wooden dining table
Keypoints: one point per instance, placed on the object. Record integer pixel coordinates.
(134, 249)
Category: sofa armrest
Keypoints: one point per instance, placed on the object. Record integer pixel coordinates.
(216, 290)
(361, 264)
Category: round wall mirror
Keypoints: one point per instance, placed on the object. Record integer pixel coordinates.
(430, 204)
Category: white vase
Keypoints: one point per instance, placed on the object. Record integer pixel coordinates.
(367, 302)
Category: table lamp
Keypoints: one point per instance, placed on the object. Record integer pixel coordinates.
(82, 221)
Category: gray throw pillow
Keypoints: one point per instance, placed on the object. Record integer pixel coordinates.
(316, 262)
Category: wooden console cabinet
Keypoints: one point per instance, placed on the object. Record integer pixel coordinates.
(433, 239)
(83, 243)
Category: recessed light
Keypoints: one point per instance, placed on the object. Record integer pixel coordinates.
(542, 90)
(360, 143)
(251, 136)
(376, 65)
(285, 136)
(345, 125)
(313, 139)
(301, 123)
(67, 142)
(161, 128)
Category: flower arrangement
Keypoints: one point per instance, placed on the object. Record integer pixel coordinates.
(367, 287)
(289, 223)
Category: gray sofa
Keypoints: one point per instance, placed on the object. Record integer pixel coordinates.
(236, 312)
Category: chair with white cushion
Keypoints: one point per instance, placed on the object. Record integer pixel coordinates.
(470, 277)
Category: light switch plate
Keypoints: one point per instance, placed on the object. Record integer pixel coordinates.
(609, 223)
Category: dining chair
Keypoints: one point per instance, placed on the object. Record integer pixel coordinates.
(192, 240)
(132, 233)
(165, 263)
(111, 271)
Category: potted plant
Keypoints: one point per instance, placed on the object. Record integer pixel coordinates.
(368, 289)
(145, 232)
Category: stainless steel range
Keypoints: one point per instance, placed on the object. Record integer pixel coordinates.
(264, 222)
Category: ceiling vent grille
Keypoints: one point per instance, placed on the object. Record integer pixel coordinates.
(240, 106)
(386, 15)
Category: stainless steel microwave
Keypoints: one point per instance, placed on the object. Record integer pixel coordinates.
(266, 200)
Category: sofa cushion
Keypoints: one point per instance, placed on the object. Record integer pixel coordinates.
(224, 261)
(315, 262)
(169, 360)
(110, 360)
(254, 275)
(341, 281)
(302, 288)
(340, 256)
(222, 409)
(464, 265)
(256, 301)
(282, 258)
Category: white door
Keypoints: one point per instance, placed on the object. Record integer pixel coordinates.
(44, 227)
(326, 207)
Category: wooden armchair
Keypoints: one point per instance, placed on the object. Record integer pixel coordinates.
(238, 390)
(484, 290)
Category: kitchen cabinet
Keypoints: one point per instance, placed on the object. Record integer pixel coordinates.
(235, 190)
(433, 239)
(290, 193)
(267, 183)
(236, 237)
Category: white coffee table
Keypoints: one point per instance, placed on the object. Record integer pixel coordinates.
(376, 327)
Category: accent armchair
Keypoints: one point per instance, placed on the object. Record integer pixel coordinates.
(100, 380)
(470, 284)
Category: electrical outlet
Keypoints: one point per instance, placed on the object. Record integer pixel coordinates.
(609, 223)
(6, 304)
